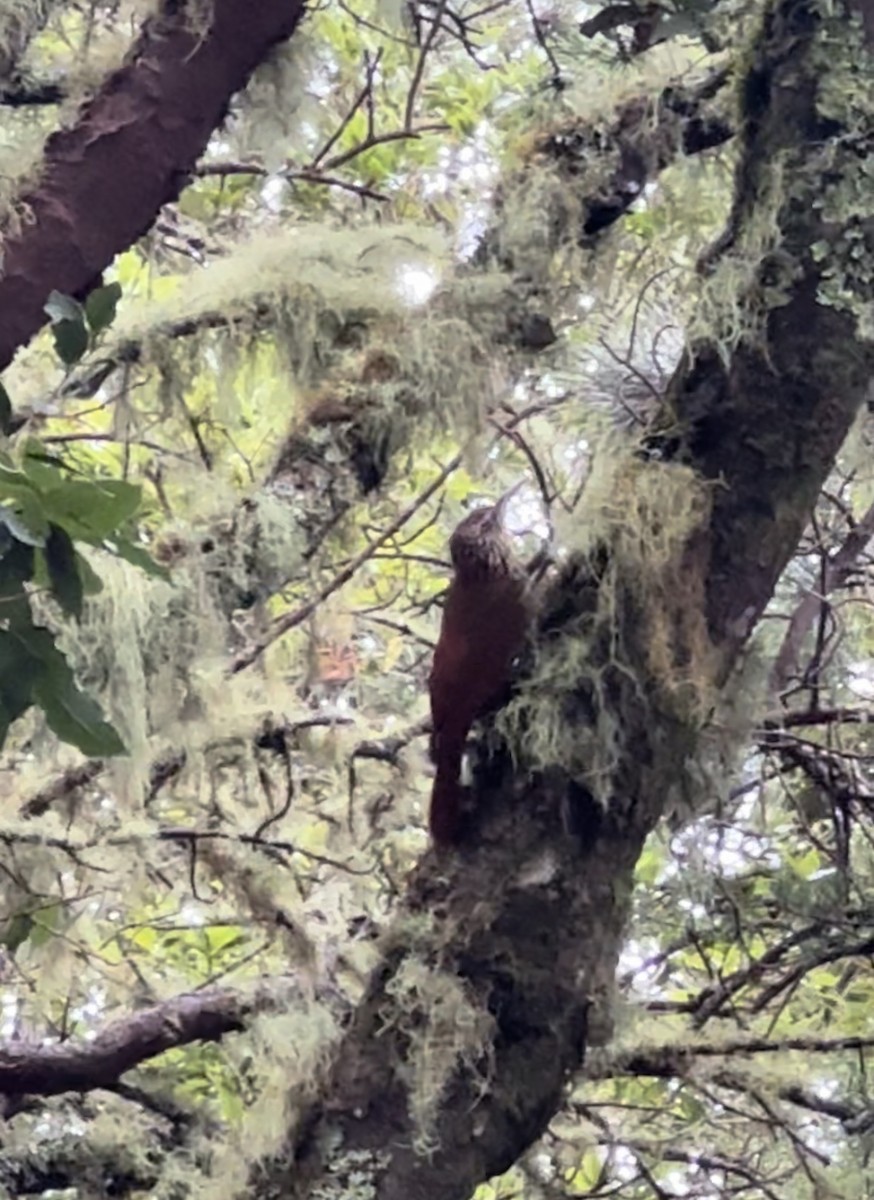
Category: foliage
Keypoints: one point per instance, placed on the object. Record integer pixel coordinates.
(45, 510)
(227, 480)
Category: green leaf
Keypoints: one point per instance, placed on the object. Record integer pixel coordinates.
(586, 1177)
(16, 568)
(63, 308)
(71, 340)
(138, 557)
(41, 468)
(76, 718)
(7, 716)
(64, 578)
(46, 925)
(101, 305)
(6, 719)
(72, 715)
(16, 931)
(13, 482)
(649, 866)
(68, 327)
(27, 526)
(91, 510)
(223, 937)
(92, 584)
(806, 864)
(17, 669)
(231, 1102)
(5, 412)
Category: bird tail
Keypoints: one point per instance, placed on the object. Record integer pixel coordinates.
(446, 798)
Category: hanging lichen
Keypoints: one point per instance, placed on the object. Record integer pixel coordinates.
(630, 599)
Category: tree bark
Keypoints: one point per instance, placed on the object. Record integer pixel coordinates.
(526, 920)
(131, 151)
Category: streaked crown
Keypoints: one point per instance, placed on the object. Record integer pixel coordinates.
(480, 545)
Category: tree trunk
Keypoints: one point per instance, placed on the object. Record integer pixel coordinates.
(498, 972)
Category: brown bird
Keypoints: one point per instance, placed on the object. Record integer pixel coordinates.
(484, 621)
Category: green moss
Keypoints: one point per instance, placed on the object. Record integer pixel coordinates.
(540, 214)
(633, 627)
(444, 1027)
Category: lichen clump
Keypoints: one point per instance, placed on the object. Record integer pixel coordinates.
(445, 1028)
(622, 626)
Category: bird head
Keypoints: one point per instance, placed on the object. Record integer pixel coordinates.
(480, 542)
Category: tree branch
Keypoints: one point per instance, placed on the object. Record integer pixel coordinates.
(80, 1065)
(838, 569)
(131, 151)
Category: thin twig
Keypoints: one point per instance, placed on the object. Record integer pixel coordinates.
(370, 69)
(420, 64)
(380, 139)
(838, 567)
(291, 620)
(540, 33)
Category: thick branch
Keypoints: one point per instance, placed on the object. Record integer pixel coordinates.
(76, 1065)
(131, 151)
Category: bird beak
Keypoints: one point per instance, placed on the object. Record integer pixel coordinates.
(503, 501)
